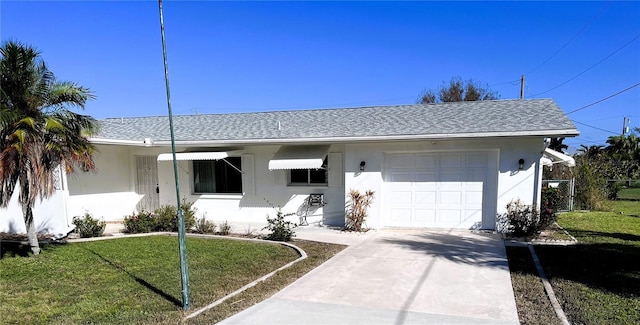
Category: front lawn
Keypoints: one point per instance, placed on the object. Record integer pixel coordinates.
(128, 280)
(630, 193)
(533, 305)
(598, 280)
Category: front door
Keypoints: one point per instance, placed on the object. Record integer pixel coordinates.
(147, 183)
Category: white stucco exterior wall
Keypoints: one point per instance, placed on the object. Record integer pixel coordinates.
(270, 188)
(110, 191)
(49, 215)
(508, 182)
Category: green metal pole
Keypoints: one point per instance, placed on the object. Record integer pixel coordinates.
(184, 268)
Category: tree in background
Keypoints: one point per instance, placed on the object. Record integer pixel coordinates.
(624, 152)
(557, 145)
(597, 165)
(590, 152)
(38, 131)
(457, 91)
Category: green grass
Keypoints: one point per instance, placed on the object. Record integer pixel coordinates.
(317, 253)
(598, 280)
(631, 193)
(533, 305)
(127, 280)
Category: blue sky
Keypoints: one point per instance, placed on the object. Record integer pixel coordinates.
(260, 56)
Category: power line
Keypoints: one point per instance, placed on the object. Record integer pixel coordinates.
(514, 82)
(589, 68)
(581, 142)
(603, 99)
(574, 37)
(606, 118)
(594, 127)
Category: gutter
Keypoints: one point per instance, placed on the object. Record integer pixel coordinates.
(410, 137)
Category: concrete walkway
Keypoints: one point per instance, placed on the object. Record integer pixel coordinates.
(397, 277)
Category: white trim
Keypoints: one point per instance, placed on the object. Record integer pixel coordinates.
(193, 156)
(559, 158)
(299, 157)
(414, 137)
(117, 141)
(546, 161)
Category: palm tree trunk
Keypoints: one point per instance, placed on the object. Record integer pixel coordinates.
(27, 212)
(32, 235)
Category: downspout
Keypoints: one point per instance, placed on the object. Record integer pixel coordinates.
(537, 193)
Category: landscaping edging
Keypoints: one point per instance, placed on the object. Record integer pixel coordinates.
(300, 251)
(521, 241)
(524, 242)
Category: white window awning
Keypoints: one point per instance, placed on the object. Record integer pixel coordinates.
(299, 157)
(558, 158)
(193, 156)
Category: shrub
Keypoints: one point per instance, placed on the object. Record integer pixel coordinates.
(591, 191)
(612, 190)
(189, 214)
(522, 220)
(88, 226)
(279, 228)
(166, 219)
(224, 228)
(204, 226)
(357, 213)
(548, 207)
(551, 198)
(141, 222)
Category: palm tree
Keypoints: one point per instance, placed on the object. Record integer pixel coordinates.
(557, 145)
(590, 152)
(38, 131)
(623, 147)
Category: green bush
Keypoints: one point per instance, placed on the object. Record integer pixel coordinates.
(141, 222)
(549, 205)
(521, 220)
(280, 229)
(189, 213)
(164, 218)
(591, 192)
(88, 226)
(204, 226)
(612, 190)
(550, 198)
(224, 229)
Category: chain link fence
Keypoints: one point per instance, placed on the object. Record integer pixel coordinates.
(565, 188)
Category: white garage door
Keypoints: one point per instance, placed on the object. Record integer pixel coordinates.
(443, 190)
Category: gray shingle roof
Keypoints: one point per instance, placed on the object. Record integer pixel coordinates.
(497, 117)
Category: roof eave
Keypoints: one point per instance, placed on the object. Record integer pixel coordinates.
(407, 137)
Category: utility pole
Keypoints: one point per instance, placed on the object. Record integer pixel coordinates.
(522, 87)
(625, 125)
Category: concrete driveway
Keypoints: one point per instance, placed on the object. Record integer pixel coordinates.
(398, 277)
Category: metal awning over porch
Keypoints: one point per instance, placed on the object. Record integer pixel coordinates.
(193, 156)
(299, 157)
(551, 157)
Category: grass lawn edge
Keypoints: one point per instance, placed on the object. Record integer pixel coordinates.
(300, 251)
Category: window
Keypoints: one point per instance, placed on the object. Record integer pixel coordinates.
(309, 176)
(217, 176)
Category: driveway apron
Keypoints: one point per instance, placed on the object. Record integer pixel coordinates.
(400, 277)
